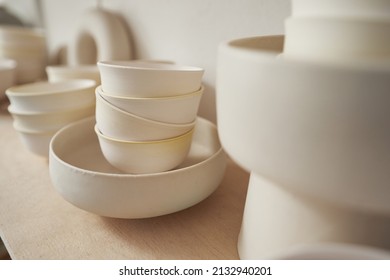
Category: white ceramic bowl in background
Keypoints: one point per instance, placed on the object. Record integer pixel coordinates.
(147, 79)
(83, 177)
(116, 123)
(146, 156)
(7, 75)
(50, 97)
(179, 109)
(35, 141)
(319, 129)
(334, 40)
(57, 73)
(364, 9)
(43, 121)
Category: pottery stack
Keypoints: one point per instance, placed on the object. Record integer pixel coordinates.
(311, 124)
(40, 109)
(27, 47)
(146, 113)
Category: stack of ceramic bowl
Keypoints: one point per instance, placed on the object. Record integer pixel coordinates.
(27, 47)
(40, 109)
(7, 75)
(146, 113)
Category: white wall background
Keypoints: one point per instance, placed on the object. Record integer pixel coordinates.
(185, 31)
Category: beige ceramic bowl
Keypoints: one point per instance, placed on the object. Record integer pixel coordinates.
(116, 123)
(179, 109)
(65, 72)
(43, 121)
(146, 79)
(35, 141)
(146, 156)
(50, 97)
(337, 39)
(22, 36)
(83, 177)
(7, 75)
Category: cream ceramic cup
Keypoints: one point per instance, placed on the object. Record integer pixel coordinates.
(148, 79)
(336, 40)
(121, 125)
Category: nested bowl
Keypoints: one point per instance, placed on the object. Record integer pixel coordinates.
(148, 79)
(179, 109)
(140, 157)
(116, 123)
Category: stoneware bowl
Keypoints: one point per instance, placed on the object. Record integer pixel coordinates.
(179, 109)
(50, 97)
(35, 141)
(334, 40)
(57, 73)
(146, 79)
(83, 177)
(7, 75)
(41, 121)
(146, 156)
(116, 123)
(318, 129)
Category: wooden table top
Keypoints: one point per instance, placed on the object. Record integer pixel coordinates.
(37, 223)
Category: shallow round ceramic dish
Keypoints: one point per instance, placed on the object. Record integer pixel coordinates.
(83, 177)
(49, 120)
(337, 39)
(116, 123)
(148, 79)
(321, 129)
(367, 9)
(178, 109)
(35, 141)
(65, 72)
(49, 97)
(7, 74)
(146, 156)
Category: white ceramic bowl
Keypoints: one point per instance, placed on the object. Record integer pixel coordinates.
(50, 97)
(82, 175)
(7, 75)
(116, 123)
(319, 129)
(43, 121)
(368, 9)
(337, 39)
(179, 109)
(146, 79)
(57, 73)
(35, 141)
(146, 156)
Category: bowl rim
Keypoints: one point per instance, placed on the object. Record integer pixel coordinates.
(100, 98)
(200, 91)
(145, 142)
(74, 85)
(148, 66)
